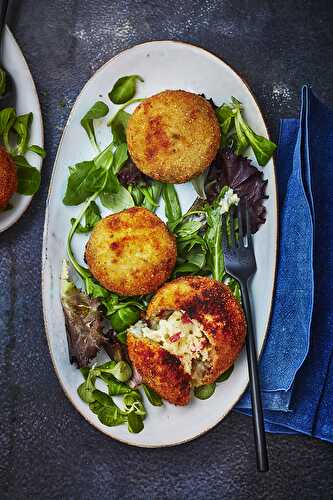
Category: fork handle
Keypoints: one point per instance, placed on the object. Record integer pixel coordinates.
(258, 419)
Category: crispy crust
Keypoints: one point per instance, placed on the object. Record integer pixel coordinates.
(8, 177)
(131, 252)
(173, 136)
(213, 305)
(160, 370)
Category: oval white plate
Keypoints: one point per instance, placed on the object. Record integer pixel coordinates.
(163, 65)
(27, 101)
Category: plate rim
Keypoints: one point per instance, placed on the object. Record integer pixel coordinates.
(45, 231)
(19, 213)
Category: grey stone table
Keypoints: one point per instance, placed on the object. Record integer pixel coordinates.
(47, 449)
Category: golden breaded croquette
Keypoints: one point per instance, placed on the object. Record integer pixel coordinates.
(173, 136)
(160, 370)
(8, 177)
(131, 252)
(205, 331)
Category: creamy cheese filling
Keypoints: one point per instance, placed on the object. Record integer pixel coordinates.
(180, 335)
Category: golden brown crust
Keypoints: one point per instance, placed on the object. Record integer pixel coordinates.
(131, 252)
(8, 177)
(160, 370)
(212, 304)
(173, 136)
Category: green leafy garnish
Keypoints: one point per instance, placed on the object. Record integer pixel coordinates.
(118, 201)
(124, 89)
(7, 120)
(111, 416)
(225, 375)
(28, 180)
(134, 422)
(37, 150)
(173, 211)
(152, 396)
(85, 179)
(98, 110)
(3, 81)
(204, 391)
(119, 126)
(22, 127)
(92, 216)
(230, 118)
(124, 317)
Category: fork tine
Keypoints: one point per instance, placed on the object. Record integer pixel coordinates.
(248, 225)
(232, 226)
(240, 223)
(224, 233)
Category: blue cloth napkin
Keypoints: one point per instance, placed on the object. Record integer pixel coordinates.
(296, 367)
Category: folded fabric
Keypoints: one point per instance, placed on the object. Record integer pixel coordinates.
(296, 367)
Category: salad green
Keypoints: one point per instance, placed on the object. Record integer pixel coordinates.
(15, 137)
(111, 180)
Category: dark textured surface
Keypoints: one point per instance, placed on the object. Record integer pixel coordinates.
(47, 449)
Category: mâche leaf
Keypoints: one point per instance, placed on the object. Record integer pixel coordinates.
(98, 110)
(92, 216)
(152, 396)
(204, 391)
(28, 180)
(3, 81)
(124, 317)
(22, 127)
(37, 150)
(151, 202)
(225, 375)
(134, 422)
(124, 89)
(119, 158)
(111, 416)
(117, 201)
(173, 211)
(7, 119)
(119, 126)
(225, 116)
(84, 180)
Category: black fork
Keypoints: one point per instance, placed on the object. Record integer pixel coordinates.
(240, 262)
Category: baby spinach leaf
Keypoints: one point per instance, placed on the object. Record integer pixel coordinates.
(84, 180)
(98, 110)
(22, 127)
(119, 126)
(204, 391)
(152, 396)
(124, 89)
(225, 375)
(134, 422)
(37, 150)
(111, 416)
(92, 216)
(117, 201)
(173, 211)
(28, 180)
(119, 158)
